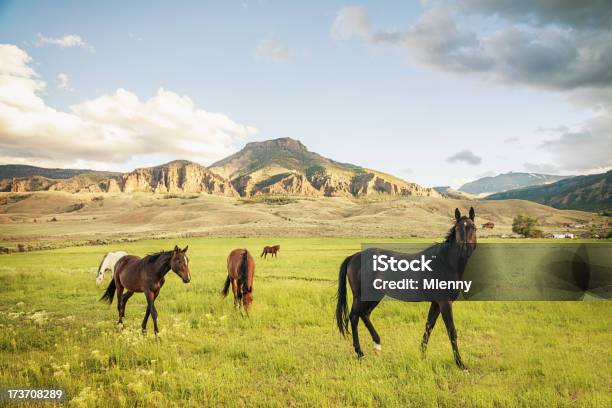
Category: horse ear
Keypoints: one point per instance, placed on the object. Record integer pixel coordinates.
(185, 249)
(457, 214)
(472, 213)
(176, 248)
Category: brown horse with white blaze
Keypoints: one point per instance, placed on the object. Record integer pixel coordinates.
(146, 275)
(240, 274)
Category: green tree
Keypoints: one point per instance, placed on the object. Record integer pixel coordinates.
(526, 226)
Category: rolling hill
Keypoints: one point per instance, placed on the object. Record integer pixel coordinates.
(590, 193)
(507, 181)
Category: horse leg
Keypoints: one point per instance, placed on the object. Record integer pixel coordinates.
(434, 312)
(234, 291)
(147, 313)
(447, 315)
(126, 297)
(365, 316)
(119, 303)
(354, 318)
(151, 309)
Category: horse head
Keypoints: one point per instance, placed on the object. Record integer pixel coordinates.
(465, 232)
(180, 263)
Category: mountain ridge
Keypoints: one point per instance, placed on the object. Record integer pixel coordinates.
(591, 192)
(507, 181)
(281, 166)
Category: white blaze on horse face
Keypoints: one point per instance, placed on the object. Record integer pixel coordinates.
(187, 265)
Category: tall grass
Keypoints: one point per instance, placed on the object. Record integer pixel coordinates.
(54, 332)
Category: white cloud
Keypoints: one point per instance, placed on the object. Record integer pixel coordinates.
(351, 21)
(586, 148)
(63, 82)
(272, 48)
(110, 129)
(67, 41)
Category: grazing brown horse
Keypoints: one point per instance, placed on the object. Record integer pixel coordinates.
(452, 255)
(135, 274)
(240, 274)
(273, 250)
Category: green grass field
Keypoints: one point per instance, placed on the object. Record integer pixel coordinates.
(54, 332)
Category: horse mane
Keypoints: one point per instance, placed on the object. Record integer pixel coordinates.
(450, 235)
(154, 257)
(101, 263)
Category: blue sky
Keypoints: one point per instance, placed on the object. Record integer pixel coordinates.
(318, 72)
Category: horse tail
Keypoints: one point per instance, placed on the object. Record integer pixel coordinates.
(244, 270)
(342, 315)
(109, 294)
(226, 287)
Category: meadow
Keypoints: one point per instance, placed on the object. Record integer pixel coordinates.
(54, 332)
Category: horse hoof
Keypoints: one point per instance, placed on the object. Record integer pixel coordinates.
(377, 349)
(360, 356)
(144, 332)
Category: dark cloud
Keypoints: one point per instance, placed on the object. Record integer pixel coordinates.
(466, 156)
(585, 14)
(560, 44)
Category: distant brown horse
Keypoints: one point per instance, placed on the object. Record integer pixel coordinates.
(488, 225)
(240, 274)
(273, 250)
(147, 275)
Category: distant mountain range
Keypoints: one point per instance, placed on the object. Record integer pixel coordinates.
(286, 167)
(22, 170)
(277, 167)
(589, 193)
(507, 181)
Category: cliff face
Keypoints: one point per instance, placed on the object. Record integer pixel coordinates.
(275, 167)
(33, 183)
(175, 177)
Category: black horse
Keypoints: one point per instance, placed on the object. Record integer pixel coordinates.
(453, 255)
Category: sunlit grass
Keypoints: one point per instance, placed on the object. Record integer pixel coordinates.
(54, 332)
